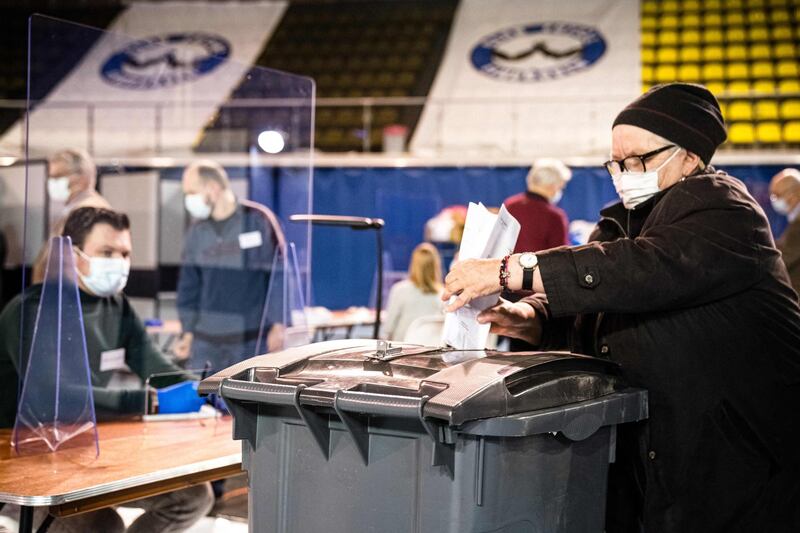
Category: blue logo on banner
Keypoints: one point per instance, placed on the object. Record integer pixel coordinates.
(164, 61)
(538, 52)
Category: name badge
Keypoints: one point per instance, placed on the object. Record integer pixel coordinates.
(112, 360)
(251, 239)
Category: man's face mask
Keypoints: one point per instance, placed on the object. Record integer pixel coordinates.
(107, 275)
(58, 188)
(634, 188)
(197, 206)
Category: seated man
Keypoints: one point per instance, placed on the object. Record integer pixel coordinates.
(101, 242)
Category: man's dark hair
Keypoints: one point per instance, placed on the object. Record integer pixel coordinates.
(80, 222)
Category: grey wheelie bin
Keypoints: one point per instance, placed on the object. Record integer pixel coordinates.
(363, 436)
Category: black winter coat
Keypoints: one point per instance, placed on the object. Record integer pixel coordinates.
(689, 294)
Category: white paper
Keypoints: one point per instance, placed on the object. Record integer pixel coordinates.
(112, 360)
(486, 235)
(251, 239)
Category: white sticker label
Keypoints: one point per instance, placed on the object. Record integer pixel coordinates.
(112, 360)
(251, 239)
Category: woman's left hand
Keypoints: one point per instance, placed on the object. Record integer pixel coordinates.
(470, 279)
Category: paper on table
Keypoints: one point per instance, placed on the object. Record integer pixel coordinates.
(486, 235)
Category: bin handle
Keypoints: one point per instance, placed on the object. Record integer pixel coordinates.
(254, 391)
(371, 403)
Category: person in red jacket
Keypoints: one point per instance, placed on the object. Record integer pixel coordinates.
(543, 225)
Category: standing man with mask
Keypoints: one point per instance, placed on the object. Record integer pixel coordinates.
(114, 336)
(225, 275)
(784, 192)
(543, 224)
(71, 181)
(682, 285)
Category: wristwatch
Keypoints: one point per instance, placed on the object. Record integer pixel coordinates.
(528, 261)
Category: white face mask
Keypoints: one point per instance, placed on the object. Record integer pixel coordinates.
(58, 188)
(107, 275)
(634, 188)
(196, 206)
(780, 206)
(557, 197)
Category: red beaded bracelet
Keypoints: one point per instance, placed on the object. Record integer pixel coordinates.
(504, 273)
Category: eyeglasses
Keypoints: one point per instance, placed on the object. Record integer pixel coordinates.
(633, 163)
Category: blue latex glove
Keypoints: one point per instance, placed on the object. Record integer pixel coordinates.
(179, 398)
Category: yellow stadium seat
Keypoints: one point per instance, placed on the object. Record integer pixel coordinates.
(669, 6)
(648, 55)
(734, 4)
(737, 71)
(789, 86)
(766, 110)
(712, 53)
(648, 23)
(716, 87)
(755, 3)
(667, 38)
(667, 55)
(790, 109)
(713, 71)
(650, 7)
(646, 87)
(758, 33)
(782, 33)
(762, 69)
(741, 133)
(690, 20)
(768, 132)
(691, 5)
(735, 34)
(760, 51)
(668, 21)
(690, 54)
(765, 87)
(734, 18)
(723, 109)
(784, 50)
(738, 87)
(777, 3)
(787, 69)
(711, 5)
(791, 132)
(666, 73)
(756, 16)
(779, 16)
(689, 72)
(712, 36)
(739, 110)
(647, 74)
(712, 18)
(690, 37)
(648, 38)
(735, 52)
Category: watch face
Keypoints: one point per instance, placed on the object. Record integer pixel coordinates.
(528, 260)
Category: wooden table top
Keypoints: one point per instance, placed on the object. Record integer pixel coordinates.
(133, 455)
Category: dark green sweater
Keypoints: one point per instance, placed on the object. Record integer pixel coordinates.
(109, 323)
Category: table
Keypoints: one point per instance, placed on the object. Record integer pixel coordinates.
(137, 460)
(345, 319)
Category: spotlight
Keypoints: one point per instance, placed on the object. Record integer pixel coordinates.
(271, 141)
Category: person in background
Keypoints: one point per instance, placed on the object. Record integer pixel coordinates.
(784, 193)
(416, 296)
(71, 181)
(681, 284)
(225, 273)
(102, 247)
(543, 225)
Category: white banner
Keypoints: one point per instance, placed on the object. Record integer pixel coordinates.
(153, 81)
(532, 77)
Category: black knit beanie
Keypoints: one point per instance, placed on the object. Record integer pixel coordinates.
(686, 114)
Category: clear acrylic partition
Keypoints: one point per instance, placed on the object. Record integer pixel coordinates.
(145, 104)
(56, 405)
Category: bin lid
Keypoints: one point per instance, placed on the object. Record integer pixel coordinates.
(456, 386)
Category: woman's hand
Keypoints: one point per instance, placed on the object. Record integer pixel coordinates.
(470, 279)
(518, 320)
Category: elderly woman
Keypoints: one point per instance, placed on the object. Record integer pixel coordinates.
(682, 285)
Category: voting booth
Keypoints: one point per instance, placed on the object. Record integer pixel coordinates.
(236, 272)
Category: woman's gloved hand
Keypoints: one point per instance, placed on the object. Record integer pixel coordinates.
(179, 398)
